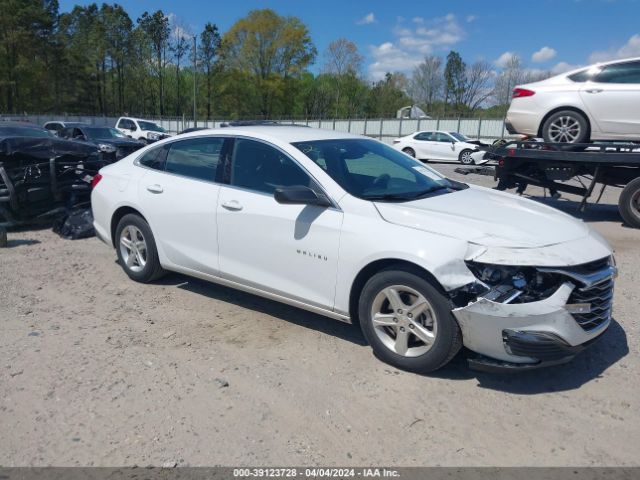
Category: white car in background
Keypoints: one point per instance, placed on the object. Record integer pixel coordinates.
(600, 102)
(347, 227)
(144, 130)
(442, 146)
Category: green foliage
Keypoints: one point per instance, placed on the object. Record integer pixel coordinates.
(96, 60)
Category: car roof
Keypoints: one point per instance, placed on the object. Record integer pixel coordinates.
(282, 133)
(137, 119)
(599, 64)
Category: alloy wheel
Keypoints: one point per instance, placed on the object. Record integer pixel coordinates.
(404, 320)
(133, 248)
(564, 129)
(466, 158)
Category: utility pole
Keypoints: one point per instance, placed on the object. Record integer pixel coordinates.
(195, 122)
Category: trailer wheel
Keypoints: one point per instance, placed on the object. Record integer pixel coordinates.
(629, 203)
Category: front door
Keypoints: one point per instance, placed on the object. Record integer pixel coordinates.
(289, 250)
(613, 99)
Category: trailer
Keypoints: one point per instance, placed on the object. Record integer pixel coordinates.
(549, 165)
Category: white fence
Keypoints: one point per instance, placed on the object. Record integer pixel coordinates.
(384, 129)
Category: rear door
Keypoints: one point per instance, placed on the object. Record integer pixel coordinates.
(422, 144)
(613, 99)
(179, 194)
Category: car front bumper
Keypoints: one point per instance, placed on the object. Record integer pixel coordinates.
(521, 335)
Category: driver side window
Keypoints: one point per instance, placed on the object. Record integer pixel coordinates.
(260, 167)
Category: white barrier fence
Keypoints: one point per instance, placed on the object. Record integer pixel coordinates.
(385, 129)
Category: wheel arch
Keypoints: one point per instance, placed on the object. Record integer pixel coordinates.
(377, 266)
(117, 216)
(559, 109)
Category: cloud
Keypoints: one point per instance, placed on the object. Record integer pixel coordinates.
(629, 49)
(412, 42)
(368, 19)
(471, 18)
(504, 59)
(543, 55)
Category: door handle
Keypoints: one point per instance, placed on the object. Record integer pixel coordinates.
(154, 188)
(594, 90)
(233, 205)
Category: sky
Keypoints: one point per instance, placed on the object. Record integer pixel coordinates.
(555, 35)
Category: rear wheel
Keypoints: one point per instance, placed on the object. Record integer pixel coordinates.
(136, 249)
(566, 126)
(408, 322)
(409, 151)
(629, 203)
(466, 157)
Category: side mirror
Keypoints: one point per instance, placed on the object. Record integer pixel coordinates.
(299, 195)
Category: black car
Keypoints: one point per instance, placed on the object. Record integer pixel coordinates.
(23, 129)
(56, 126)
(113, 144)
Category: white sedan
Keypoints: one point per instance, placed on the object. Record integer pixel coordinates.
(347, 227)
(440, 145)
(600, 102)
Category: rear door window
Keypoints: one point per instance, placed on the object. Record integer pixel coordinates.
(196, 158)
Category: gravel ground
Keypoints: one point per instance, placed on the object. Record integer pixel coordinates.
(98, 370)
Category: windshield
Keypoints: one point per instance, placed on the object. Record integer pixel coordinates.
(104, 132)
(460, 137)
(153, 127)
(374, 171)
(24, 132)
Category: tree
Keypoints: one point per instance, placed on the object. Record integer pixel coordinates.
(207, 55)
(477, 78)
(454, 77)
(343, 63)
(342, 58)
(156, 28)
(387, 96)
(272, 49)
(427, 82)
(179, 47)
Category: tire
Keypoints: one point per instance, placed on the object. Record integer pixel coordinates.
(465, 157)
(409, 151)
(445, 339)
(3, 238)
(566, 126)
(144, 141)
(629, 203)
(139, 266)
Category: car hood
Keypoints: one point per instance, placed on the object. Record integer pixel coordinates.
(487, 218)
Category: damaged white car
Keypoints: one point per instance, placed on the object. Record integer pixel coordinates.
(350, 228)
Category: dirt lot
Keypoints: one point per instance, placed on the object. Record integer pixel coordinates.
(98, 370)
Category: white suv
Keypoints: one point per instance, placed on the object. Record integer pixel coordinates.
(143, 130)
(347, 227)
(600, 102)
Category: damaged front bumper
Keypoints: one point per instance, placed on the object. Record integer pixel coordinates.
(516, 336)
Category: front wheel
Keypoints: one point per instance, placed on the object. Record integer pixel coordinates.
(136, 249)
(466, 157)
(629, 203)
(408, 322)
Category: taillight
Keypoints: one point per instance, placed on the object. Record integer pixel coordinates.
(522, 92)
(96, 179)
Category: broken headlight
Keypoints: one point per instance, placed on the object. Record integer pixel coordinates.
(504, 284)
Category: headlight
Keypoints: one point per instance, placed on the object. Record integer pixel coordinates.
(505, 284)
(153, 136)
(106, 148)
